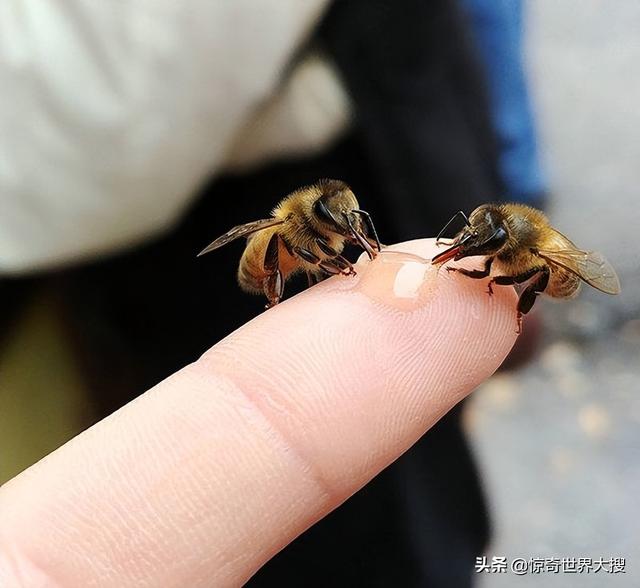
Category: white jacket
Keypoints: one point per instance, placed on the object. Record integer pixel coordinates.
(113, 113)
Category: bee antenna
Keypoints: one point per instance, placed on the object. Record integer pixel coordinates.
(454, 217)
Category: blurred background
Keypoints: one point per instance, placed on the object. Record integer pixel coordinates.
(558, 439)
(91, 318)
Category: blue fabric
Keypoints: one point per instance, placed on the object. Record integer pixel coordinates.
(497, 26)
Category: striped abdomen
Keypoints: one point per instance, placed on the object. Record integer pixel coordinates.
(251, 273)
(562, 283)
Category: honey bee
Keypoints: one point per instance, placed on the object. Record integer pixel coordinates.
(519, 241)
(307, 232)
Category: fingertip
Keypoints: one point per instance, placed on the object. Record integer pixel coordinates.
(366, 364)
(232, 457)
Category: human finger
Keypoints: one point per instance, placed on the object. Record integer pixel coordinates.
(202, 479)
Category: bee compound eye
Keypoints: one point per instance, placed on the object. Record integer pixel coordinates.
(323, 213)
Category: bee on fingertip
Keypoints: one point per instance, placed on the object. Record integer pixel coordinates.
(521, 248)
(307, 232)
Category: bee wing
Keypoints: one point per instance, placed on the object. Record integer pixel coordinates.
(590, 266)
(241, 231)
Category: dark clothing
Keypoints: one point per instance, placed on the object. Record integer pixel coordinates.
(421, 107)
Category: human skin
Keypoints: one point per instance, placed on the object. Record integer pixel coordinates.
(202, 479)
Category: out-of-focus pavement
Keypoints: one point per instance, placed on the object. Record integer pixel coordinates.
(559, 441)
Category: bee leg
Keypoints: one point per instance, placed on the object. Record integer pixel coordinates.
(329, 267)
(273, 286)
(306, 255)
(519, 319)
(273, 283)
(370, 226)
(312, 280)
(344, 264)
(324, 246)
(530, 293)
(475, 274)
(519, 279)
(360, 239)
(336, 260)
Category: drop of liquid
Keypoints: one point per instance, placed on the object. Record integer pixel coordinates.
(403, 280)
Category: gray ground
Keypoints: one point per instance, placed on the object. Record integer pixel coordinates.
(559, 441)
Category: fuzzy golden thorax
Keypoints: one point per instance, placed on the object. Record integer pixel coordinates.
(322, 207)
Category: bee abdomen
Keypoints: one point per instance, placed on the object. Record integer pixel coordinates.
(563, 284)
(249, 281)
(251, 269)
